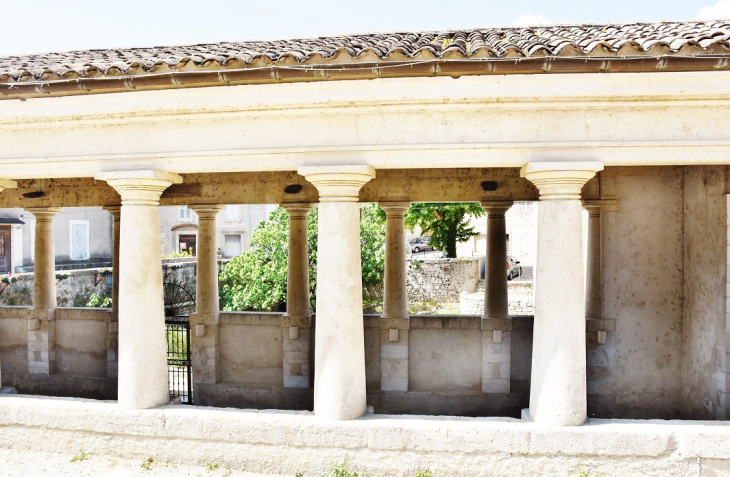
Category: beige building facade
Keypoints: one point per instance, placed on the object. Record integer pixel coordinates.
(631, 131)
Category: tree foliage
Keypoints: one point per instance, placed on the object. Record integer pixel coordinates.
(256, 280)
(447, 223)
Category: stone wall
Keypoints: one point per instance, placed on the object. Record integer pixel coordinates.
(73, 291)
(704, 332)
(82, 338)
(520, 297)
(441, 280)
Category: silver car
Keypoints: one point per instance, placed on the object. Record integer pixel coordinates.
(514, 269)
(421, 244)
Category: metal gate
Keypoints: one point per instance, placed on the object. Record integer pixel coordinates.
(179, 365)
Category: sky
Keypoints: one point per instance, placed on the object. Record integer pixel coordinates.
(33, 26)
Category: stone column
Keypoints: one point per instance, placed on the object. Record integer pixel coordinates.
(496, 323)
(593, 267)
(394, 324)
(5, 184)
(112, 344)
(142, 346)
(297, 320)
(42, 321)
(205, 322)
(558, 383)
(339, 378)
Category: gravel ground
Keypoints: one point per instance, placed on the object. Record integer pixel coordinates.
(29, 464)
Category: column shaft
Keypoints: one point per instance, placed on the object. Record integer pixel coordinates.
(558, 386)
(205, 322)
(339, 379)
(112, 348)
(143, 380)
(496, 323)
(593, 265)
(394, 324)
(42, 324)
(297, 320)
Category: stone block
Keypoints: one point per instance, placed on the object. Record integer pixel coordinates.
(394, 384)
(495, 358)
(296, 381)
(391, 368)
(595, 373)
(495, 386)
(394, 323)
(393, 351)
(597, 357)
(296, 357)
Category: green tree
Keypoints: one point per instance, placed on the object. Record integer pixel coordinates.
(256, 280)
(448, 223)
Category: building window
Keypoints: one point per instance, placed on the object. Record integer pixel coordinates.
(233, 246)
(79, 239)
(183, 213)
(233, 213)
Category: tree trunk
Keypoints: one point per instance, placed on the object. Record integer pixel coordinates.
(451, 242)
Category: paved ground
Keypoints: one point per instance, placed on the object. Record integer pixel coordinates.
(31, 464)
(526, 275)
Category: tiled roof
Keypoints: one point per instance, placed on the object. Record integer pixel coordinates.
(688, 39)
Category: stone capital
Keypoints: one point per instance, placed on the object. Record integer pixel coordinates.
(7, 184)
(297, 210)
(206, 211)
(140, 187)
(496, 208)
(394, 209)
(43, 214)
(560, 180)
(114, 210)
(593, 207)
(338, 183)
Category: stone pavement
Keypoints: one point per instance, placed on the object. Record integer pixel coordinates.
(30, 464)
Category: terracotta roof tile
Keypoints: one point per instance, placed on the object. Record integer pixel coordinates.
(633, 39)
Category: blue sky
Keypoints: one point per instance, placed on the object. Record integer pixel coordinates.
(30, 26)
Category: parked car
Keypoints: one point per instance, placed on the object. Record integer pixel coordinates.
(514, 269)
(421, 244)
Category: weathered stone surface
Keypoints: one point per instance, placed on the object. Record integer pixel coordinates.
(285, 442)
(442, 280)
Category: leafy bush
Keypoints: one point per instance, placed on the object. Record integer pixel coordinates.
(99, 300)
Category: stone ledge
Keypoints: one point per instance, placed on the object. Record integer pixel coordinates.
(286, 441)
(255, 318)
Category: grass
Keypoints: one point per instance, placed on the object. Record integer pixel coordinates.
(80, 456)
(147, 463)
(211, 467)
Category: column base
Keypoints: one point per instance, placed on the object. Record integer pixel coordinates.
(394, 354)
(205, 347)
(41, 341)
(296, 336)
(496, 355)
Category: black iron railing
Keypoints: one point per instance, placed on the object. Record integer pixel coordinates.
(179, 365)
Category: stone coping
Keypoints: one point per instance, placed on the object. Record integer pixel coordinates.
(287, 441)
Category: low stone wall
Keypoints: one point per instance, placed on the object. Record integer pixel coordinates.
(73, 291)
(442, 280)
(85, 352)
(520, 297)
(285, 442)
